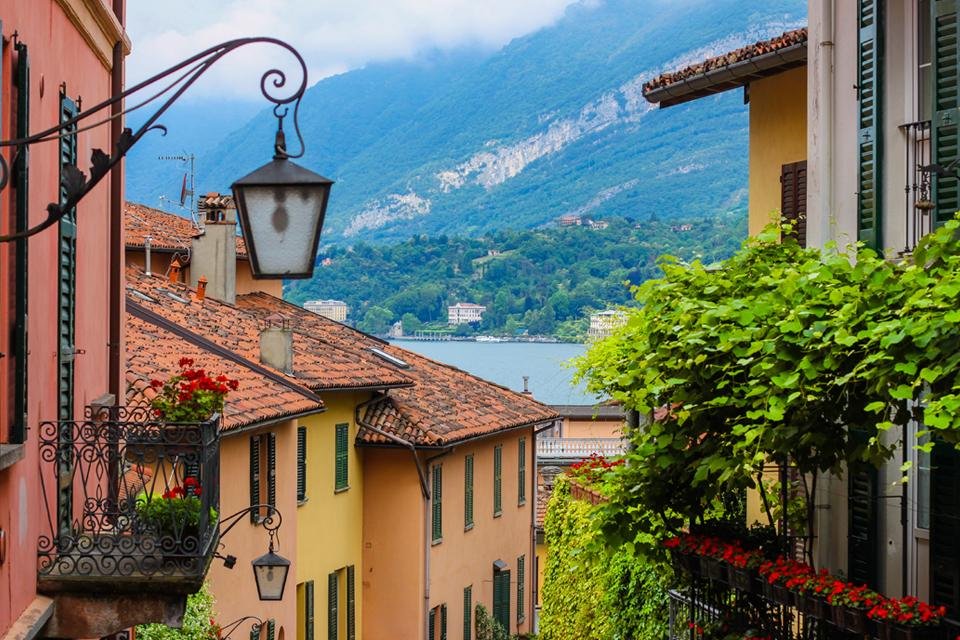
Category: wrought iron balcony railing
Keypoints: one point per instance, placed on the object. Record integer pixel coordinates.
(716, 603)
(131, 502)
(572, 449)
(918, 197)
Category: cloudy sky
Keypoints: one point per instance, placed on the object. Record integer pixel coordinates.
(333, 35)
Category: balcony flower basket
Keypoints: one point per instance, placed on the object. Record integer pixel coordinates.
(174, 518)
(851, 604)
(714, 569)
(742, 579)
(906, 619)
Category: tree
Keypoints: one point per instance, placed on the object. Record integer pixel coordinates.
(198, 621)
(410, 322)
(377, 320)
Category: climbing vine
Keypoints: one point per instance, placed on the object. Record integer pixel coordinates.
(778, 353)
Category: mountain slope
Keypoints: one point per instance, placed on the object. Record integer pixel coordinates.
(553, 123)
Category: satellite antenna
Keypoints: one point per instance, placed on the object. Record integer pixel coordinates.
(185, 191)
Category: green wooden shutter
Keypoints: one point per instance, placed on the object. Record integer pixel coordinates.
(870, 118)
(255, 477)
(432, 624)
(946, 77)
(332, 597)
(501, 598)
(255, 631)
(522, 471)
(862, 552)
(21, 219)
(521, 561)
(497, 480)
(945, 527)
(351, 604)
(436, 496)
(468, 491)
(309, 609)
(467, 611)
(443, 622)
(272, 469)
(342, 454)
(301, 464)
(67, 263)
(271, 629)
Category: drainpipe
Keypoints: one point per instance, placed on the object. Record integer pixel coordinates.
(116, 215)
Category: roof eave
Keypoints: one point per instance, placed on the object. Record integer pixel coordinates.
(730, 76)
(447, 444)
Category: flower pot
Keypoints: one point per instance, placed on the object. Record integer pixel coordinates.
(742, 579)
(852, 620)
(714, 569)
(782, 595)
(893, 631)
(811, 605)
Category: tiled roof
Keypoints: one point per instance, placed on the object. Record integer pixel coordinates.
(154, 352)
(444, 405)
(167, 231)
(729, 70)
(317, 364)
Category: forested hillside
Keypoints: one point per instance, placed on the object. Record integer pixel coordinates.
(543, 281)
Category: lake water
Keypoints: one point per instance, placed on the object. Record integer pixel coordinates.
(507, 362)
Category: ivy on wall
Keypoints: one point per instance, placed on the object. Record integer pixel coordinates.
(591, 592)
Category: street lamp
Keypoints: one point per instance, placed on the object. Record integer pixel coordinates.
(281, 204)
(281, 207)
(269, 570)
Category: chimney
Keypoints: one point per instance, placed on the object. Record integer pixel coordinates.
(214, 250)
(276, 344)
(146, 257)
(526, 390)
(175, 268)
(201, 288)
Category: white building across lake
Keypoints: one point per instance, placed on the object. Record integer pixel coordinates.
(464, 312)
(333, 309)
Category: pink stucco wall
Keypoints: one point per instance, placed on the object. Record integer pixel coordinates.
(58, 54)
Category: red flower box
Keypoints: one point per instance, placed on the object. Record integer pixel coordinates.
(742, 579)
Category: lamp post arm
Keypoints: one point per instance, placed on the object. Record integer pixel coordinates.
(230, 627)
(270, 523)
(77, 184)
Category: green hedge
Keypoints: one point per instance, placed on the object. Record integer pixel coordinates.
(594, 593)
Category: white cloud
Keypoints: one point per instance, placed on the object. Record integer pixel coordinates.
(333, 35)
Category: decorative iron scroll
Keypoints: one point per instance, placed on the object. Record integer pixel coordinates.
(145, 497)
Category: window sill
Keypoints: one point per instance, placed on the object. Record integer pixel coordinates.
(522, 503)
(468, 527)
(497, 514)
(10, 454)
(300, 503)
(436, 542)
(341, 490)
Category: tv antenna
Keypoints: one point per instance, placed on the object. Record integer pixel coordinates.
(186, 192)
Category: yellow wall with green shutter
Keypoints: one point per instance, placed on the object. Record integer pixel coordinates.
(330, 522)
(778, 136)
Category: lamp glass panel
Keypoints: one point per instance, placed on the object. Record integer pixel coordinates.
(283, 223)
(270, 580)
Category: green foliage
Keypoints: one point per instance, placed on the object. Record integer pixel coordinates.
(778, 352)
(173, 513)
(545, 281)
(485, 627)
(592, 592)
(198, 621)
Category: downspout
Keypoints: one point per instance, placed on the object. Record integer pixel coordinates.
(116, 216)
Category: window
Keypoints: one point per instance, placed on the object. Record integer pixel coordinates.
(301, 464)
(263, 474)
(497, 480)
(521, 561)
(342, 457)
(443, 622)
(501, 595)
(333, 597)
(18, 264)
(923, 484)
(435, 497)
(351, 603)
(67, 278)
(438, 618)
(468, 492)
(522, 471)
(308, 608)
(924, 61)
(467, 612)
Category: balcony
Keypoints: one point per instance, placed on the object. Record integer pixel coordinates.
(716, 602)
(131, 504)
(568, 450)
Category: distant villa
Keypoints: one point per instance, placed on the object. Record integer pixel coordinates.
(333, 309)
(464, 313)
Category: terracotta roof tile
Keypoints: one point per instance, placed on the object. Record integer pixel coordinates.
(743, 54)
(153, 353)
(167, 231)
(317, 364)
(444, 405)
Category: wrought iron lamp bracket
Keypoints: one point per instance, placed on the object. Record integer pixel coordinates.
(230, 627)
(76, 184)
(271, 523)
